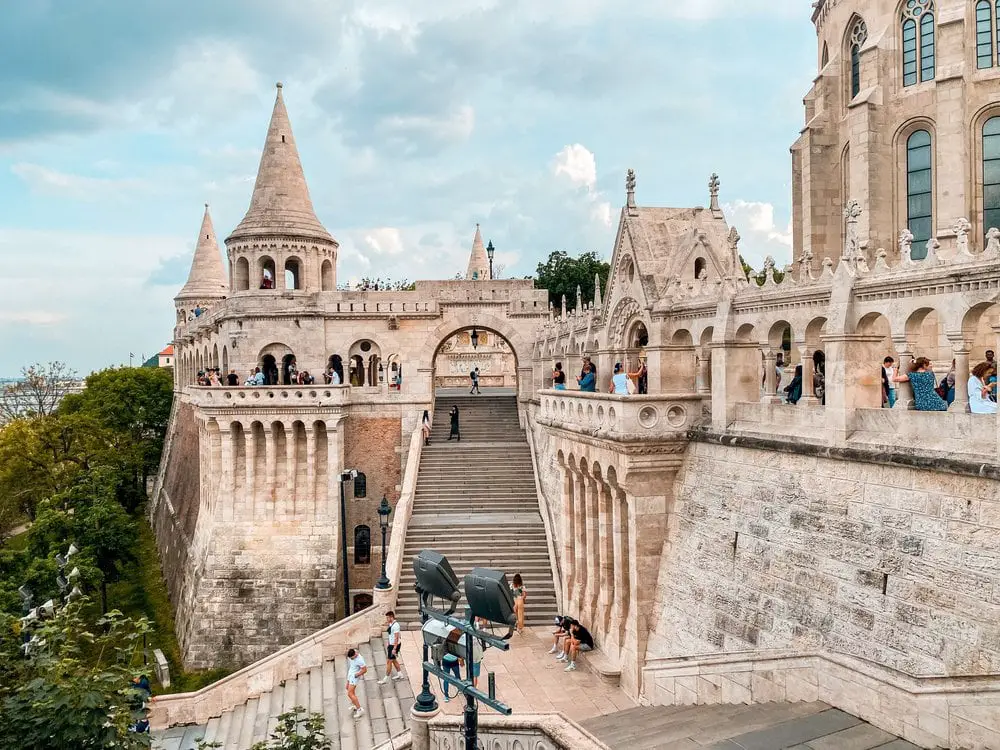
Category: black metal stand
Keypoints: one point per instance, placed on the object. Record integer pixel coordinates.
(383, 581)
(343, 549)
(426, 702)
(471, 710)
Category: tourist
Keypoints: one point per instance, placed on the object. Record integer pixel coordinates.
(392, 649)
(399, 379)
(425, 427)
(454, 425)
(587, 379)
(793, 391)
(256, 378)
(197, 311)
(520, 596)
(990, 357)
(474, 377)
(335, 377)
(563, 623)
(980, 390)
(921, 378)
(356, 669)
(559, 378)
(888, 382)
(619, 381)
(578, 641)
(452, 665)
(947, 387)
(641, 378)
(267, 282)
(819, 376)
(232, 379)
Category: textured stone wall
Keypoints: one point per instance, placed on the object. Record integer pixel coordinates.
(372, 445)
(779, 550)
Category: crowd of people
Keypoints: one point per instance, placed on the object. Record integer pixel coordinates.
(930, 394)
(622, 383)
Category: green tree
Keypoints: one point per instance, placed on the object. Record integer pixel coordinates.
(561, 274)
(73, 689)
(37, 392)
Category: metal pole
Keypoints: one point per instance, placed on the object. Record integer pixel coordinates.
(426, 702)
(383, 582)
(471, 711)
(343, 530)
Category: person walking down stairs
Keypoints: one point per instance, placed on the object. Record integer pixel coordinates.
(454, 425)
(356, 669)
(425, 427)
(392, 649)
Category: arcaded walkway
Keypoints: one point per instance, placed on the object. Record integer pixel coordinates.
(529, 680)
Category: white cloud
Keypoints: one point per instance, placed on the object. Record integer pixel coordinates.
(384, 241)
(79, 187)
(578, 164)
(761, 235)
(32, 317)
(454, 126)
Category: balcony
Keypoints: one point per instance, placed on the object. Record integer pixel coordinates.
(280, 397)
(621, 418)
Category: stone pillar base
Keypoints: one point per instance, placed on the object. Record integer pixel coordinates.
(420, 730)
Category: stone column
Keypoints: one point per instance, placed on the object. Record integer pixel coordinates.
(567, 546)
(606, 593)
(251, 470)
(703, 385)
(620, 544)
(904, 358)
(808, 387)
(853, 380)
(961, 351)
(335, 465)
(311, 458)
(420, 731)
(226, 494)
(770, 378)
(270, 471)
(288, 504)
(593, 550)
(579, 594)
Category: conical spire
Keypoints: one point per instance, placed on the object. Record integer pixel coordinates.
(598, 302)
(479, 263)
(280, 202)
(579, 300)
(207, 279)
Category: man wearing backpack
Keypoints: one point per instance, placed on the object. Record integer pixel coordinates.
(474, 377)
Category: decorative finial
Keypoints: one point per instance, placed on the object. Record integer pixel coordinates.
(630, 190)
(278, 84)
(206, 206)
(713, 192)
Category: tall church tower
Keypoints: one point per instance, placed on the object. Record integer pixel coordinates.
(280, 244)
(479, 263)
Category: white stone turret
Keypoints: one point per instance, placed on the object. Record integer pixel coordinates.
(479, 262)
(206, 283)
(280, 234)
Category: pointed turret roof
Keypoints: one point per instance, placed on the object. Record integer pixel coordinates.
(479, 263)
(280, 202)
(208, 279)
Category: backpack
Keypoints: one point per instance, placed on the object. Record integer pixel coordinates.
(942, 388)
(472, 374)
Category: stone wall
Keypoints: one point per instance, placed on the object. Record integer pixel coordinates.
(776, 550)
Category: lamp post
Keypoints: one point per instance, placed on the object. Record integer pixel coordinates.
(489, 253)
(345, 476)
(475, 339)
(384, 509)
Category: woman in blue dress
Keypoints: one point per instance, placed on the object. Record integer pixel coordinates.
(922, 379)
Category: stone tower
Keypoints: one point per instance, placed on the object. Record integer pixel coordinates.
(206, 284)
(479, 264)
(280, 237)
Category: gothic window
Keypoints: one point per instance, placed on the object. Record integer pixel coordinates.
(825, 59)
(984, 34)
(991, 174)
(919, 180)
(362, 545)
(859, 35)
(917, 20)
(362, 602)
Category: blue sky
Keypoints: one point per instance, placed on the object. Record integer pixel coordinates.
(119, 119)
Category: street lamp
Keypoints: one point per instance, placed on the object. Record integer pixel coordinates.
(384, 509)
(489, 252)
(475, 339)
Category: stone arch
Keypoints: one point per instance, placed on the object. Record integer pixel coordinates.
(362, 544)
(225, 363)
(268, 360)
(215, 355)
(365, 356)
(326, 277)
(267, 278)
(241, 274)
(745, 333)
(977, 329)
(294, 273)
(625, 311)
(517, 340)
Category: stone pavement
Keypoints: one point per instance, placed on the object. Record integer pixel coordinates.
(529, 680)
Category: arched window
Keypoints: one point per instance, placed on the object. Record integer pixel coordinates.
(362, 602)
(825, 58)
(362, 545)
(859, 35)
(919, 181)
(699, 266)
(991, 174)
(917, 20)
(984, 34)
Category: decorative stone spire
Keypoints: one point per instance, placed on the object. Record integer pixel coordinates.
(713, 194)
(598, 302)
(579, 300)
(280, 203)
(479, 263)
(630, 192)
(207, 279)
(564, 307)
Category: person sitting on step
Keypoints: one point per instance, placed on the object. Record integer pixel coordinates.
(578, 641)
(562, 630)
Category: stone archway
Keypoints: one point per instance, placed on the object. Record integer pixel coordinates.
(477, 349)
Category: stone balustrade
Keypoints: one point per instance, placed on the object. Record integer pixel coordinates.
(621, 418)
(535, 731)
(262, 397)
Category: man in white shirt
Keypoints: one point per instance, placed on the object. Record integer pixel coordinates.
(888, 382)
(356, 669)
(392, 649)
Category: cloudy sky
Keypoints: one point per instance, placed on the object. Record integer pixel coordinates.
(120, 118)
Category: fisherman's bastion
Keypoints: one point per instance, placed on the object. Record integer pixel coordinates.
(725, 547)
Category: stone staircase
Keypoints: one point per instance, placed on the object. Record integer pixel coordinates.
(319, 690)
(765, 726)
(476, 503)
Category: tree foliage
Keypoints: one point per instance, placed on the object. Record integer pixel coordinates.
(38, 392)
(562, 274)
(74, 688)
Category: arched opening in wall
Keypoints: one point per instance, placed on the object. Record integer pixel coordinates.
(704, 384)
(326, 276)
(681, 375)
(362, 602)
(871, 357)
(335, 366)
(977, 330)
(289, 369)
(241, 274)
(467, 350)
(779, 342)
(225, 365)
(824, 59)
(700, 265)
(362, 545)
(394, 370)
(815, 385)
(293, 274)
(746, 372)
(215, 356)
(366, 361)
(269, 368)
(925, 332)
(265, 270)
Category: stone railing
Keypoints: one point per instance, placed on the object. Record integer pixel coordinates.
(535, 731)
(386, 600)
(621, 418)
(928, 711)
(261, 676)
(263, 397)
